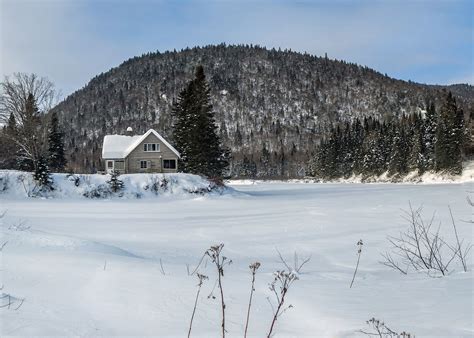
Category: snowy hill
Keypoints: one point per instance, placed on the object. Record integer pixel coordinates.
(272, 106)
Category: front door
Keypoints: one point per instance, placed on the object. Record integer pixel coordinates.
(110, 166)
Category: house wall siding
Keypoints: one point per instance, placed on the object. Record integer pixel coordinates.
(132, 163)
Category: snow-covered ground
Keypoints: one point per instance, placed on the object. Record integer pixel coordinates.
(92, 267)
(18, 184)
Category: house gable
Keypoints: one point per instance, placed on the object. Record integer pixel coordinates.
(142, 140)
(154, 159)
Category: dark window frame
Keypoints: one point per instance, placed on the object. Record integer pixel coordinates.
(169, 164)
(151, 147)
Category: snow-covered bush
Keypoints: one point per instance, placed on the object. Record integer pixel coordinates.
(74, 178)
(156, 184)
(100, 191)
(4, 182)
(25, 180)
(18, 184)
(42, 176)
(115, 184)
(212, 186)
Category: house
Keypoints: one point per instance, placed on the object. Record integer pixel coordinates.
(148, 153)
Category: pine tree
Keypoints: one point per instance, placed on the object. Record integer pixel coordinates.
(347, 152)
(42, 174)
(357, 141)
(265, 160)
(57, 159)
(181, 114)
(386, 140)
(115, 183)
(11, 128)
(373, 161)
(429, 136)
(417, 151)
(399, 158)
(449, 137)
(195, 130)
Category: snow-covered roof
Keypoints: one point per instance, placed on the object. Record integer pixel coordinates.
(116, 146)
(119, 146)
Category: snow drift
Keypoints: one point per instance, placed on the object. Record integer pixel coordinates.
(17, 184)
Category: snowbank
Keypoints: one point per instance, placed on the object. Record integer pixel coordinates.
(17, 184)
(412, 177)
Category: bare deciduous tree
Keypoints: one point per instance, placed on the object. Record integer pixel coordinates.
(14, 92)
(24, 99)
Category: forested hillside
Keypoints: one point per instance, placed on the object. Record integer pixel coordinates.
(272, 107)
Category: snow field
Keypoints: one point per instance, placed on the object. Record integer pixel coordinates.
(92, 267)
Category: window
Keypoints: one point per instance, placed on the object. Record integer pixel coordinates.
(110, 164)
(119, 165)
(151, 147)
(169, 164)
(143, 164)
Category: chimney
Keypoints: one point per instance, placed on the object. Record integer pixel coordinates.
(129, 131)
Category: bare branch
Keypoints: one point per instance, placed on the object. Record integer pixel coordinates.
(201, 279)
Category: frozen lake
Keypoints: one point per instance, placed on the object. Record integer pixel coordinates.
(92, 267)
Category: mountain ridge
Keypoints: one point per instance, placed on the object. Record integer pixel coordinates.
(272, 106)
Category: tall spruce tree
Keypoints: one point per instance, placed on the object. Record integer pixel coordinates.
(57, 160)
(42, 174)
(429, 136)
(399, 158)
(417, 153)
(449, 137)
(195, 130)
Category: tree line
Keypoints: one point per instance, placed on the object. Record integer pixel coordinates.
(431, 140)
(271, 106)
(427, 141)
(30, 140)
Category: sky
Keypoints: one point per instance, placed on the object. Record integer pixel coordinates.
(71, 41)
